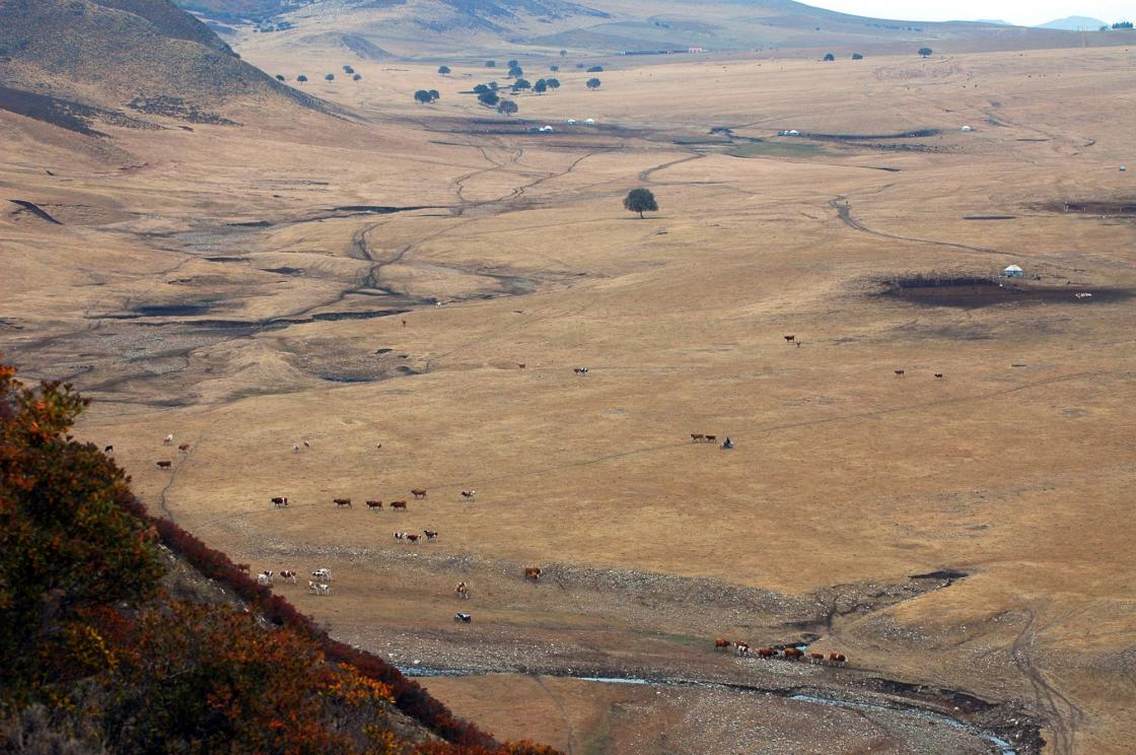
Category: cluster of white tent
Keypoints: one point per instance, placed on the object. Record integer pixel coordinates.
(586, 122)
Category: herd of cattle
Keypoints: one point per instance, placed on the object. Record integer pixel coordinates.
(787, 652)
(319, 584)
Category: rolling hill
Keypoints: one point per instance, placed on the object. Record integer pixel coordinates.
(431, 27)
(80, 61)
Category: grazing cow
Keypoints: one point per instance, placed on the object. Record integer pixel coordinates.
(280, 502)
(711, 438)
(295, 448)
(323, 575)
(307, 444)
(375, 505)
(469, 495)
(108, 450)
(398, 505)
(900, 373)
(412, 537)
(164, 464)
(741, 648)
(837, 658)
(319, 588)
(243, 567)
(533, 573)
(792, 654)
(939, 375)
(464, 618)
(399, 536)
(721, 644)
(462, 591)
(184, 448)
(790, 339)
(341, 502)
(418, 493)
(766, 653)
(378, 446)
(264, 578)
(168, 440)
(816, 657)
(431, 534)
(288, 575)
(697, 437)
(581, 371)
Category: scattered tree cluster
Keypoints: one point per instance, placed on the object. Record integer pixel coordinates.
(427, 96)
(507, 107)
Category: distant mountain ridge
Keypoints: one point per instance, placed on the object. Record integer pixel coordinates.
(1074, 23)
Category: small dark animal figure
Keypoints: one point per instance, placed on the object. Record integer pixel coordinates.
(375, 505)
(341, 502)
(418, 493)
(939, 375)
(184, 447)
(790, 339)
(711, 438)
(900, 373)
(280, 502)
(766, 653)
(728, 444)
(721, 644)
(816, 657)
(697, 437)
(307, 444)
(412, 537)
(521, 365)
(792, 654)
(108, 449)
(464, 618)
(431, 534)
(401, 505)
(469, 495)
(164, 464)
(581, 371)
(533, 573)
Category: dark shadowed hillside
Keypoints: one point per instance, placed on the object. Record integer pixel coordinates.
(137, 56)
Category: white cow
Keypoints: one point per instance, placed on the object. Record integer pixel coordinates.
(323, 575)
(264, 578)
(169, 440)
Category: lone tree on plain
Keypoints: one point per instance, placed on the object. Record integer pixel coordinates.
(280, 77)
(329, 77)
(830, 58)
(857, 56)
(516, 72)
(552, 83)
(594, 84)
(301, 78)
(357, 77)
(348, 70)
(507, 107)
(444, 70)
(640, 201)
(926, 52)
(425, 97)
(541, 86)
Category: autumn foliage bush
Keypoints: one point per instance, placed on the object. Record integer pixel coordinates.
(88, 634)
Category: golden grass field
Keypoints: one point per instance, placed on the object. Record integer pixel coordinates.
(1017, 467)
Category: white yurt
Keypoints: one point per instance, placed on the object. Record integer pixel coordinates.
(1013, 271)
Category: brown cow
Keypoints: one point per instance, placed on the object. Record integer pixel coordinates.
(696, 437)
(375, 505)
(939, 375)
(280, 502)
(288, 576)
(766, 653)
(244, 567)
(413, 537)
(711, 438)
(816, 657)
(741, 648)
(837, 658)
(164, 464)
(790, 339)
(462, 590)
(792, 653)
(341, 502)
(521, 365)
(469, 495)
(418, 493)
(398, 505)
(721, 644)
(184, 447)
(533, 573)
(900, 373)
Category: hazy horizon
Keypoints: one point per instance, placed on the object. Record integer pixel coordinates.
(1012, 11)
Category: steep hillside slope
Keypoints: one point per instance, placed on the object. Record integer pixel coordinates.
(147, 55)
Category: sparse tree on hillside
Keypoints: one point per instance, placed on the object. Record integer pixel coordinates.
(507, 107)
(489, 99)
(829, 58)
(444, 70)
(426, 96)
(640, 201)
(301, 78)
(926, 52)
(857, 56)
(521, 84)
(541, 86)
(594, 84)
(357, 77)
(554, 68)
(552, 83)
(516, 72)
(329, 77)
(348, 70)
(280, 77)
(481, 89)
(595, 69)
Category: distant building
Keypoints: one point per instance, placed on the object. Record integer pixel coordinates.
(695, 50)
